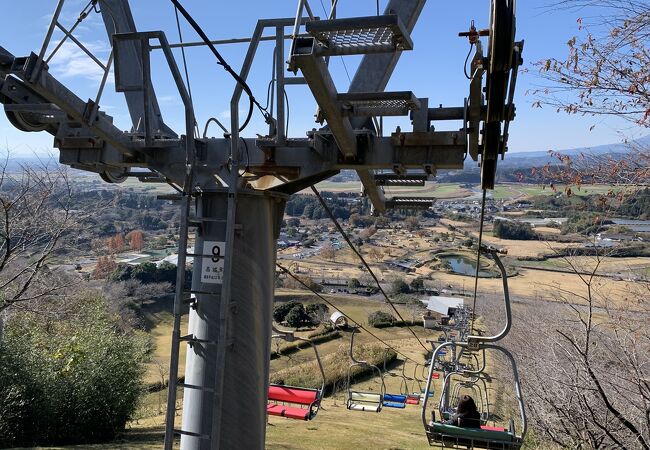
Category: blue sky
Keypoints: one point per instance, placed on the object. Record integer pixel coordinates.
(433, 69)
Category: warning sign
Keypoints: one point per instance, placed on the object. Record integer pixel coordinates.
(213, 262)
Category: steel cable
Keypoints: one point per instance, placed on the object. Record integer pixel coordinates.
(222, 62)
(478, 257)
(362, 259)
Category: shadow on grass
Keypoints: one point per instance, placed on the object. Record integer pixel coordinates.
(137, 438)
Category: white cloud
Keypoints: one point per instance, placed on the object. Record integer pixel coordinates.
(70, 61)
(169, 100)
(225, 114)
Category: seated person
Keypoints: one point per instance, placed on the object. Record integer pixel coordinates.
(466, 414)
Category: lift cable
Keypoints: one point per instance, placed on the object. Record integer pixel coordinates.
(367, 266)
(345, 67)
(187, 74)
(350, 319)
(478, 257)
(222, 62)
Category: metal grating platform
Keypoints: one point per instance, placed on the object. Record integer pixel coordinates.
(398, 103)
(390, 179)
(360, 35)
(410, 202)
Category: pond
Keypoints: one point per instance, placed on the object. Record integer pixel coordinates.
(465, 266)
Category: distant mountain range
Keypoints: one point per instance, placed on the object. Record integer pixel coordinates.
(540, 158)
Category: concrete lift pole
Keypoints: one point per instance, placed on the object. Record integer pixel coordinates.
(236, 208)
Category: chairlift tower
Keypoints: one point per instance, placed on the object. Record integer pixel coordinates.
(232, 190)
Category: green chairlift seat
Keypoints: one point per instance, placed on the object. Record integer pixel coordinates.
(449, 435)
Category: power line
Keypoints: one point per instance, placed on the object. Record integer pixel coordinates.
(345, 67)
(222, 62)
(187, 75)
(285, 270)
(360, 256)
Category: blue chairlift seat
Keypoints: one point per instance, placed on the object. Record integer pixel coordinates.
(395, 400)
(395, 405)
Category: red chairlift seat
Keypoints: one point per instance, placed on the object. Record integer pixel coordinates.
(295, 402)
(413, 399)
(307, 400)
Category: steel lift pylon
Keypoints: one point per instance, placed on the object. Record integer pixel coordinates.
(232, 190)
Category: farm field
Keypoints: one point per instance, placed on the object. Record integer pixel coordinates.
(509, 191)
(433, 190)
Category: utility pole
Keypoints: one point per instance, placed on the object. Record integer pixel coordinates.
(232, 190)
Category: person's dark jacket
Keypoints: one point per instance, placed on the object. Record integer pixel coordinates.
(466, 414)
(466, 420)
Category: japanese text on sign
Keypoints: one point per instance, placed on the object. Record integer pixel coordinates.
(213, 262)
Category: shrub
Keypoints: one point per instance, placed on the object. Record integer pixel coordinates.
(317, 337)
(406, 299)
(417, 285)
(336, 366)
(399, 286)
(280, 311)
(166, 273)
(122, 273)
(585, 223)
(380, 318)
(145, 272)
(148, 273)
(506, 229)
(317, 312)
(298, 317)
(354, 283)
(68, 381)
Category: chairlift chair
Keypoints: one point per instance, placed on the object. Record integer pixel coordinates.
(491, 438)
(425, 374)
(414, 397)
(395, 400)
(294, 402)
(365, 401)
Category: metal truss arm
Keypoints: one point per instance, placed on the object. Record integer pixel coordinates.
(118, 18)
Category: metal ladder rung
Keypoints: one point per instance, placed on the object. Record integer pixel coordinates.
(190, 433)
(195, 219)
(194, 291)
(197, 223)
(189, 338)
(194, 386)
(200, 255)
